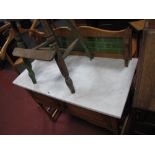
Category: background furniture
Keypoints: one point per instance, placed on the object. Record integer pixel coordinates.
(142, 117)
(8, 44)
(11, 37)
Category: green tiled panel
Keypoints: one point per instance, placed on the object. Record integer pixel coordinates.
(98, 44)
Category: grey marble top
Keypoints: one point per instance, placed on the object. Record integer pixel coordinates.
(102, 85)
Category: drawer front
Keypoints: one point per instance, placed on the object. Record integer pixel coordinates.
(93, 117)
(42, 99)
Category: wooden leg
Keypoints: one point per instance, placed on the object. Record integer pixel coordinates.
(125, 127)
(21, 44)
(126, 63)
(128, 123)
(126, 58)
(114, 126)
(64, 71)
(30, 71)
(86, 49)
(128, 52)
(78, 35)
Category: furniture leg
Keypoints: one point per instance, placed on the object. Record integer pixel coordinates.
(30, 71)
(114, 126)
(129, 123)
(126, 58)
(64, 71)
(21, 44)
(81, 40)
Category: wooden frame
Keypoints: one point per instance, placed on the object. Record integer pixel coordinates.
(57, 107)
(87, 31)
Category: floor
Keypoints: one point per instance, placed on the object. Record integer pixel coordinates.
(20, 115)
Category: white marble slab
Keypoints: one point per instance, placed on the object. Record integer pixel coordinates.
(101, 85)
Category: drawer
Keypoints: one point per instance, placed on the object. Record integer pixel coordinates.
(93, 117)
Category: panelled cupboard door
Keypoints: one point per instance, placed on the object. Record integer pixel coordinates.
(145, 88)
